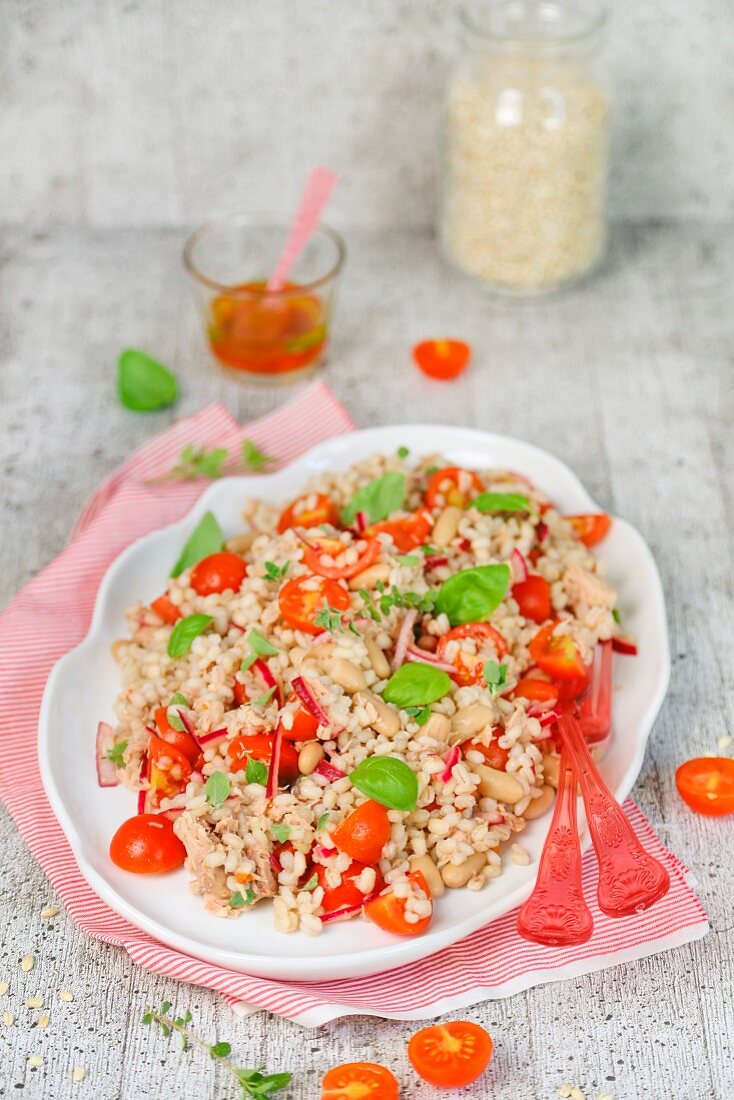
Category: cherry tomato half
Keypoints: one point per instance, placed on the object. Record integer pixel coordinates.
(146, 844)
(591, 528)
(331, 548)
(537, 691)
(557, 654)
(406, 533)
(493, 753)
(442, 359)
(347, 895)
(179, 739)
(260, 747)
(470, 666)
(166, 609)
(706, 784)
(534, 598)
(364, 833)
(362, 1080)
(388, 911)
(310, 510)
(450, 1055)
(304, 726)
(452, 485)
(169, 769)
(299, 605)
(217, 573)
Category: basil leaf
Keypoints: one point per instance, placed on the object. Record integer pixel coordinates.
(264, 699)
(503, 502)
(377, 499)
(323, 818)
(248, 662)
(256, 772)
(217, 788)
(388, 781)
(415, 685)
(280, 831)
(237, 901)
(144, 384)
(184, 632)
(408, 559)
(473, 594)
(495, 675)
(260, 644)
(117, 753)
(172, 715)
(206, 538)
(421, 714)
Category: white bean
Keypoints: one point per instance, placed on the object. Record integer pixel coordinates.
(369, 577)
(377, 657)
(538, 806)
(239, 543)
(470, 720)
(437, 726)
(430, 873)
(551, 765)
(379, 715)
(497, 784)
(458, 874)
(310, 757)
(346, 674)
(446, 526)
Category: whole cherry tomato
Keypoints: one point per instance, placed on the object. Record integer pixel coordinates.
(470, 666)
(310, 510)
(453, 485)
(146, 844)
(217, 573)
(364, 833)
(300, 603)
(534, 598)
(388, 911)
(591, 528)
(450, 1055)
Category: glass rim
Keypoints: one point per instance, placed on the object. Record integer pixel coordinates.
(594, 22)
(260, 219)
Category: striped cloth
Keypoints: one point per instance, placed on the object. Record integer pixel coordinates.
(52, 614)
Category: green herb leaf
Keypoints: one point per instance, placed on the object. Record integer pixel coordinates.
(377, 499)
(616, 616)
(312, 883)
(146, 1019)
(415, 685)
(329, 618)
(117, 753)
(403, 452)
(428, 550)
(260, 644)
(237, 901)
(473, 594)
(388, 781)
(323, 818)
(495, 675)
(503, 502)
(220, 1050)
(248, 662)
(217, 788)
(264, 699)
(184, 632)
(421, 714)
(275, 572)
(144, 384)
(408, 559)
(206, 538)
(280, 831)
(255, 459)
(172, 714)
(256, 772)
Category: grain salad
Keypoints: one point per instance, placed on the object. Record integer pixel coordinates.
(348, 708)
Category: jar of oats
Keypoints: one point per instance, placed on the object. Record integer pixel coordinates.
(523, 204)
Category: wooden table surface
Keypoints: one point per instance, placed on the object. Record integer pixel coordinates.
(628, 379)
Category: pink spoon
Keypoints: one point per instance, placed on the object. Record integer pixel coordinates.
(319, 185)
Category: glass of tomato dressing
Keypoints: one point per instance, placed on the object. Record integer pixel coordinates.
(257, 334)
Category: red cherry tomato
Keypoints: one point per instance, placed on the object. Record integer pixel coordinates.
(169, 769)
(591, 528)
(470, 666)
(493, 753)
(362, 1080)
(259, 746)
(217, 573)
(556, 654)
(146, 844)
(453, 485)
(332, 548)
(534, 598)
(706, 784)
(310, 510)
(388, 911)
(442, 359)
(537, 691)
(240, 693)
(180, 739)
(166, 609)
(364, 833)
(450, 1055)
(304, 724)
(406, 533)
(299, 605)
(347, 895)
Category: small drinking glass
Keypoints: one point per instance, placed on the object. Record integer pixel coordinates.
(255, 333)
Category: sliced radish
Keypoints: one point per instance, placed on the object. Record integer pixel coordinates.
(423, 657)
(106, 769)
(271, 787)
(452, 760)
(215, 735)
(329, 771)
(519, 566)
(434, 560)
(305, 694)
(404, 637)
(623, 644)
(268, 678)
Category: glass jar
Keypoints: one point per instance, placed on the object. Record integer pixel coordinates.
(523, 203)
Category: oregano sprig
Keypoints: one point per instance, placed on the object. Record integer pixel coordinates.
(199, 463)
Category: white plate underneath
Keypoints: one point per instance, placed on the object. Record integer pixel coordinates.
(83, 685)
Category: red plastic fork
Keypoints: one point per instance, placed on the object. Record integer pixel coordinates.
(556, 914)
(595, 708)
(630, 879)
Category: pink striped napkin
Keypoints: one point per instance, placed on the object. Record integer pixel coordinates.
(51, 615)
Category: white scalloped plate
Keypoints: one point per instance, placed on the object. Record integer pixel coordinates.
(82, 687)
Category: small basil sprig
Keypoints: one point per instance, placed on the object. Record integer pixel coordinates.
(503, 502)
(377, 499)
(416, 685)
(184, 632)
(144, 384)
(388, 781)
(206, 538)
(473, 594)
(495, 676)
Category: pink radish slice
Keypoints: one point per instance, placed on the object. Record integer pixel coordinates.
(271, 787)
(451, 761)
(106, 769)
(304, 693)
(404, 637)
(268, 678)
(622, 644)
(215, 735)
(329, 771)
(519, 566)
(423, 657)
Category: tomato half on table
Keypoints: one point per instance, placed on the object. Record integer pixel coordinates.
(347, 895)
(590, 528)
(218, 573)
(442, 359)
(169, 770)
(388, 911)
(318, 549)
(706, 784)
(450, 1055)
(557, 654)
(147, 845)
(453, 485)
(260, 747)
(407, 533)
(310, 510)
(470, 666)
(364, 833)
(179, 739)
(166, 609)
(359, 1081)
(300, 601)
(533, 597)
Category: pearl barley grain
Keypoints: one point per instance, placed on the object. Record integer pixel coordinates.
(27, 963)
(78, 1074)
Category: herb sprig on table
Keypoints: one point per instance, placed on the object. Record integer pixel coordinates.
(253, 1082)
(194, 464)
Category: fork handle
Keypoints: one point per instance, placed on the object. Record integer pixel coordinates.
(630, 879)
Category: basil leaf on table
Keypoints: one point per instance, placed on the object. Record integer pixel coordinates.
(206, 538)
(377, 499)
(416, 685)
(388, 781)
(473, 594)
(184, 633)
(503, 502)
(144, 384)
